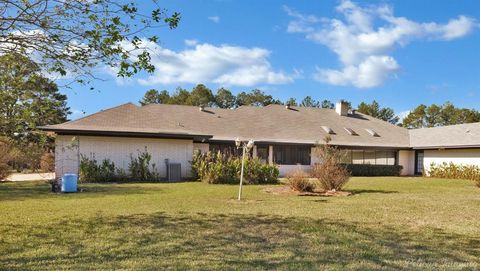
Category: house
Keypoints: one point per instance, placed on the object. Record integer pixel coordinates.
(283, 135)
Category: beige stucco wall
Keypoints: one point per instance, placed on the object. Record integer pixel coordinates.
(406, 159)
(457, 156)
(118, 150)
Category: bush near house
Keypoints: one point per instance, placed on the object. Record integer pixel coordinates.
(373, 170)
(139, 170)
(454, 171)
(216, 168)
(298, 180)
(331, 174)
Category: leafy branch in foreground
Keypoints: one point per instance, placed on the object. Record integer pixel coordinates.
(69, 37)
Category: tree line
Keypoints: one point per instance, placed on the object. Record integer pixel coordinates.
(420, 117)
(223, 98)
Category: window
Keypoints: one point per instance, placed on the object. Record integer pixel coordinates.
(372, 157)
(391, 157)
(262, 153)
(347, 157)
(381, 158)
(225, 148)
(369, 157)
(357, 156)
(291, 155)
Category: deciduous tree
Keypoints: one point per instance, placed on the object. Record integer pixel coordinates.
(27, 99)
(70, 37)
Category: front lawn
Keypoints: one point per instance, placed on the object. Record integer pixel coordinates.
(389, 223)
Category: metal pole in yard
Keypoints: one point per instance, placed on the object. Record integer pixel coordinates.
(241, 174)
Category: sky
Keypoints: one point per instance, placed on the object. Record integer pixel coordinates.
(400, 53)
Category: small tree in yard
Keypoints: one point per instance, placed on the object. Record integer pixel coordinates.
(330, 172)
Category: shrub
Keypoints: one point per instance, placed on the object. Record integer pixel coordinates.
(217, 167)
(140, 168)
(373, 170)
(330, 173)
(4, 157)
(454, 171)
(91, 171)
(299, 181)
(47, 162)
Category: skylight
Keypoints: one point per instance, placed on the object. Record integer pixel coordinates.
(328, 130)
(350, 131)
(372, 132)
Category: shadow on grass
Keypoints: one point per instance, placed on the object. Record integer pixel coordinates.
(370, 191)
(11, 191)
(230, 242)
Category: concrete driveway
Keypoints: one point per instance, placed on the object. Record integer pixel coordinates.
(21, 177)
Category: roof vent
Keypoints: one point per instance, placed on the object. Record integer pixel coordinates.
(328, 130)
(372, 132)
(287, 106)
(350, 131)
(201, 108)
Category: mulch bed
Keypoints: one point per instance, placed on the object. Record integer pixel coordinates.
(286, 190)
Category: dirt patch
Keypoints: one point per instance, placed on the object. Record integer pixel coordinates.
(286, 190)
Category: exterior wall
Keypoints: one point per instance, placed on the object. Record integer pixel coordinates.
(457, 156)
(118, 150)
(203, 147)
(406, 159)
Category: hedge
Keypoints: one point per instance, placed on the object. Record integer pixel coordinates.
(373, 170)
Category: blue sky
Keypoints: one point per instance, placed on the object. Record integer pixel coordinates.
(401, 53)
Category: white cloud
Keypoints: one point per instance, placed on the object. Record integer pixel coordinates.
(364, 48)
(215, 19)
(369, 73)
(191, 42)
(205, 63)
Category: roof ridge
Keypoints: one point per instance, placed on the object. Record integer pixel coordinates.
(101, 111)
(447, 126)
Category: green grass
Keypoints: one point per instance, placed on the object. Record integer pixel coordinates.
(388, 224)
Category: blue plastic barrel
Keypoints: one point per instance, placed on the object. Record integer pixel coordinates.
(69, 183)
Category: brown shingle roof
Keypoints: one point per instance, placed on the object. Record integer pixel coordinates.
(273, 123)
(453, 136)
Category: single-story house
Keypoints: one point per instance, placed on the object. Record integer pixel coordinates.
(283, 135)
